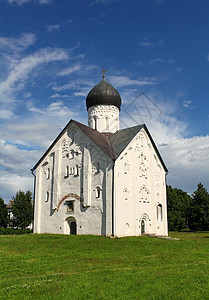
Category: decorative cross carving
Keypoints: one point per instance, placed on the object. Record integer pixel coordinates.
(103, 71)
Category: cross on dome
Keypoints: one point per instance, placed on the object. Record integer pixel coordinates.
(103, 71)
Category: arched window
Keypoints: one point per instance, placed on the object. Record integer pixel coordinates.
(95, 123)
(76, 170)
(107, 124)
(47, 197)
(67, 171)
(97, 167)
(98, 192)
(48, 173)
(159, 212)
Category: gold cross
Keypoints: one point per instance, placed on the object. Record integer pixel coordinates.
(103, 71)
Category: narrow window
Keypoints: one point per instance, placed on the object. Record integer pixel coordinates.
(98, 192)
(107, 123)
(47, 197)
(95, 123)
(67, 172)
(97, 167)
(48, 173)
(76, 170)
(159, 212)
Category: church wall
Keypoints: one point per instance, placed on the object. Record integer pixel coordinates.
(74, 182)
(140, 189)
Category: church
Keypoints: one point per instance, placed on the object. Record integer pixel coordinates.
(100, 180)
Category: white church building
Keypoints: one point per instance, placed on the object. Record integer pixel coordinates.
(99, 180)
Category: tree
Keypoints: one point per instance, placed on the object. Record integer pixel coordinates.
(199, 209)
(178, 208)
(3, 214)
(22, 209)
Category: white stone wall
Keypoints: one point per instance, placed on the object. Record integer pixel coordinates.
(104, 118)
(140, 190)
(74, 170)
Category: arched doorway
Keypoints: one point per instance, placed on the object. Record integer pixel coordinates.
(70, 226)
(143, 226)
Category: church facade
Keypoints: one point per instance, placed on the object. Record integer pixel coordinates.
(100, 180)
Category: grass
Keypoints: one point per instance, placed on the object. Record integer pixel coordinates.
(90, 267)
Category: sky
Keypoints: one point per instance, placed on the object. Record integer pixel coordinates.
(156, 53)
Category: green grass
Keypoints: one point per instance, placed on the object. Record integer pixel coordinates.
(89, 267)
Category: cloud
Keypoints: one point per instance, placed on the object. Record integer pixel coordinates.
(160, 60)
(123, 81)
(70, 70)
(54, 27)
(59, 96)
(188, 161)
(21, 2)
(15, 169)
(5, 114)
(45, 1)
(146, 43)
(17, 44)
(20, 70)
(187, 103)
(101, 2)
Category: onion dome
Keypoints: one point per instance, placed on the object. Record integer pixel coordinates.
(103, 94)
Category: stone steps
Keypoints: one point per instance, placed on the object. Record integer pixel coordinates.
(160, 237)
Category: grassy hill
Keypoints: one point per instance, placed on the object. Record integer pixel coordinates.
(90, 267)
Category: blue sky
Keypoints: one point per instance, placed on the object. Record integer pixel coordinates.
(156, 53)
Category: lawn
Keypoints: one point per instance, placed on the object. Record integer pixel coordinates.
(91, 267)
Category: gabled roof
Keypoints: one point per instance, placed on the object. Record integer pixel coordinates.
(111, 144)
(121, 138)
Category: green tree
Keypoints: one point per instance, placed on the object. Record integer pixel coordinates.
(199, 209)
(178, 203)
(3, 214)
(22, 209)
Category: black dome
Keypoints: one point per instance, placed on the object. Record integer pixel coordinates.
(103, 94)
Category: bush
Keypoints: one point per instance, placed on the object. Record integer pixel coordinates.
(6, 231)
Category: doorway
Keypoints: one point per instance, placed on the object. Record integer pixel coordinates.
(73, 228)
(70, 226)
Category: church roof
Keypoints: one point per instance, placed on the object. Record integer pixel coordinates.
(111, 144)
(103, 94)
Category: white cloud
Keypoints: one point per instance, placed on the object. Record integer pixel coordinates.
(21, 2)
(45, 1)
(100, 2)
(146, 43)
(123, 81)
(160, 60)
(21, 69)
(5, 114)
(59, 96)
(17, 44)
(54, 27)
(187, 103)
(70, 70)
(187, 161)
